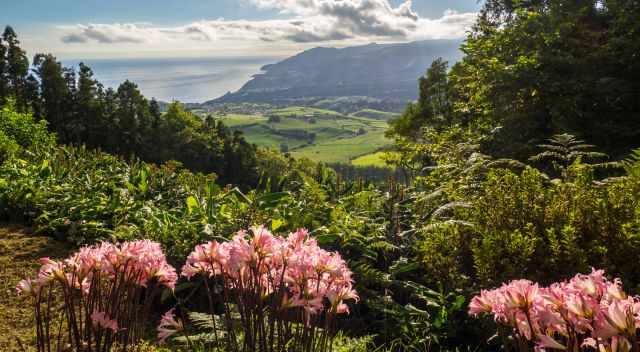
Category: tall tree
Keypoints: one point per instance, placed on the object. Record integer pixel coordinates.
(4, 83)
(32, 95)
(17, 67)
(107, 135)
(86, 104)
(154, 110)
(54, 92)
(75, 126)
(433, 108)
(133, 115)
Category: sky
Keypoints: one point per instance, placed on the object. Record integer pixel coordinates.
(226, 28)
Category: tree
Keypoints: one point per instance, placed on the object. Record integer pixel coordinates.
(154, 110)
(32, 95)
(86, 104)
(435, 98)
(433, 108)
(54, 93)
(107, 135)
(537, 68)
(17, 67)
(274, 119)
(133, 115)
(4, 84)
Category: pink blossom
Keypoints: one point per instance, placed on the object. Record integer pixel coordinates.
(588, 310)
(139, 262)
(483, 303)
(546, 341)
(306, 275)
(168, 326)
(619, 318)
(521, 294)
(102, 320)
(28, 287)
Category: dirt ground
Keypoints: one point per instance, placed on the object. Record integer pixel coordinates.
(20, 250)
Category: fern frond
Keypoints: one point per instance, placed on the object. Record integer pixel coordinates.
(448, 207)
(548, 155)
(507, 164)
(589, 155)
(450, 222)
(556, 148)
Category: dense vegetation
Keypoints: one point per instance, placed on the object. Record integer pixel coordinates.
(505, 167)
(120, 121)
(536, 68)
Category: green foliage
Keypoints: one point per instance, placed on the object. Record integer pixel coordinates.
(538, 68)
(470, 216)
(522, 225)
(85, 196)
(564, 150)
(433, 107)
(632, 165)
(20, 131)
(8, 147)
(122, 121)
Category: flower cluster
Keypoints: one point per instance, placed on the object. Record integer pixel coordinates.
(137, 262)
(586, 312)
(310, 274)
(273, 282)
(106, 291)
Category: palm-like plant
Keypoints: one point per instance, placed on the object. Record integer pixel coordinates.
(631, 165)
(564, 150)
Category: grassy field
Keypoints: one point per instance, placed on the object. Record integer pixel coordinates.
(375, 114)
(300, 111)
(373, 159)
(317, 134)
(343, 150)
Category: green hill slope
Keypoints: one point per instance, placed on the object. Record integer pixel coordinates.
(375, 114)
(317, 134)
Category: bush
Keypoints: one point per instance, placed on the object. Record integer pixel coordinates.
(23, 130)
(8, 147)
(523, 225)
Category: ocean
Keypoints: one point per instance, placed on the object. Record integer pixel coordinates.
(189, 80)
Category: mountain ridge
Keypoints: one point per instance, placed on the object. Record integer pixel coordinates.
(381, 71)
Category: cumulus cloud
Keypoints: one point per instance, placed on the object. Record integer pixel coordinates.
(108, 33)
(358, 17)
(310, 21)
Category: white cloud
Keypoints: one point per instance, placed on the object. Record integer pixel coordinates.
(356, 17)
(310, 21)
(451, 25)
(109, 33)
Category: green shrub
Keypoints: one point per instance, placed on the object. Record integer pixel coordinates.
(8, 147)
(24, 130)
(523, 225)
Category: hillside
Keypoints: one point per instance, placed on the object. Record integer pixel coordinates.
(383, 71)
(317, 134)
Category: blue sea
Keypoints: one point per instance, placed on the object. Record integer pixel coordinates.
(189, 80)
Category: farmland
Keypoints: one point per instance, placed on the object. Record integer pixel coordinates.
(317, 134)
